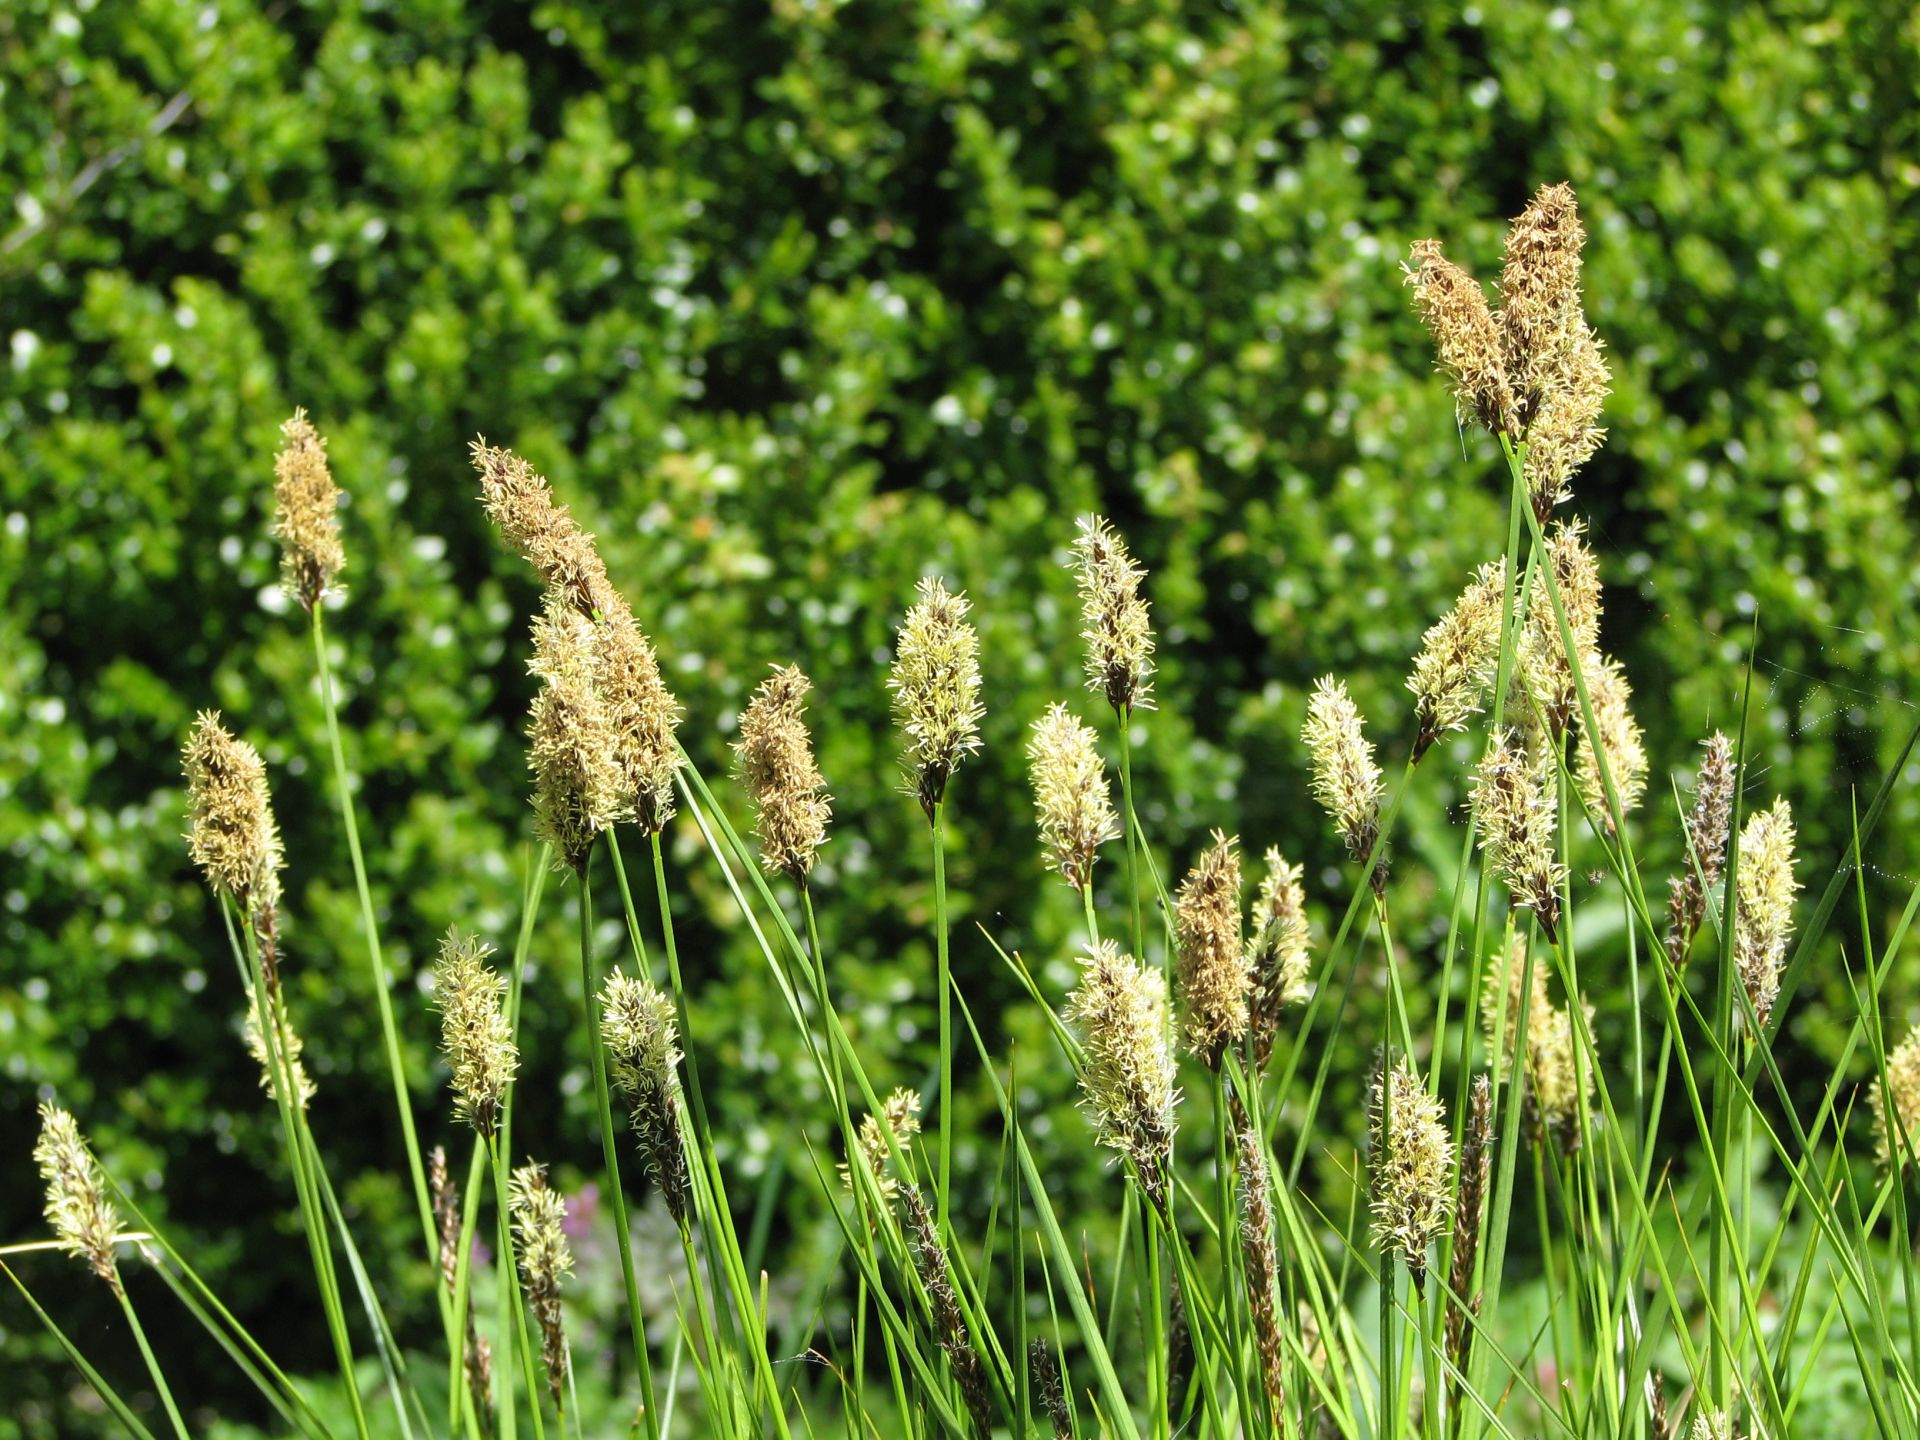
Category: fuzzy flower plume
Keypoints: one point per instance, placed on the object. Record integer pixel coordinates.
(539, 1226)
(1711, 1425)
(1513, 810)
(231, 833)
(1902, 1087)
(1457, 658)
(305, 522)
(1559, 1090)
(936, 689)
(1620, 739)
(1263, 1268)
(1070, 794)
(641, 1034)
(1119, 631)
(1346, 781)
(1763, 917)
(949, 1320)
(474, 1033)
(1120, 1008)
(776, 764)
(446, 1216)
(902, 1115)
(1566, 432)
(1545, 661)
(520, 502)
(641, 712)
(1215, 984)
(285, 1057)
(1277, 956)
(1412, 1168)
(77, 1207)
(1706, 848)
(1466, 338)
(577, 789)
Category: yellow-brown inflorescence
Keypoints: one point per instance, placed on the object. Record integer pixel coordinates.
(1706, 848)
(1277, 956)
(1346, 781)
(1119, 630)
(1457, 659)
(1565, 433)
(231, 833)
(285, 1057)
(539, 1225)
(936, 689)
(77, 1207)
(577, 782)
(1263, 1269)
(1902, 1089)
(1071, 796)
(1466, 338)
(1412, 1174)
(1545, 663)
(305, 518)
(475, 1035)
(1559, 1087)
(1476, 1158)
(902, 1115)
(446, 1215)
(1620, 743)
(520, 502)
(1540, 294)
(1215, 981)
(642, 714)
(642, 1035)
(1120, 1009)
(776, 764)
(1513, 811)
(1763, 917)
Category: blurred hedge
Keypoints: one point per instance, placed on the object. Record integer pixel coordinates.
(795, 302)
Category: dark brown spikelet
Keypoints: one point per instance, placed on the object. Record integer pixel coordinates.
(1179, 1349)
(446, 1214)
(1476, 1157)
(1263, 1270)
(1707, 849)
(930, 1261)
(1044, 1371)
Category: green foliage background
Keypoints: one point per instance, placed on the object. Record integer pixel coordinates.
(795, 302)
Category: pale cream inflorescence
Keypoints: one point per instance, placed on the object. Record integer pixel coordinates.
(577, 785)
(1763, 916)
(900, 1113)
(1346, 780)
(1457, 659)
(546, 1259)
(1513, 812)
(520, 502)
(642, 713)
(642, 1034)
(284, 1058)
(77, 1208)
(935, 682)
(1216, 983)
(1412, 1168)
(1559, 1084)
(475, 1035)
(231, 833)
(1071, 797)
(1546, 664)
(1119, 628)
(305, 519)
(1120, 1010)
(1621, 744)
(774, 756)
(1901, 1095)
(1466, 337)
(1278, 957)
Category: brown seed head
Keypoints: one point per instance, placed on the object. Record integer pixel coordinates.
(1120, 1009)
(446, 1215)
(83, 1218)
(1763, 917)
(1215, 983)
(577, 780)
(1277, 957)
(1476, 1156)
(475, 1035)
(1070, 794)
(1707, 848)
(1513, 811)
(1044, 1371)
(1620, 742)
(231, 833)
(642, 714)
(1263, 1268)
(1457, 659)
(305, 521)
(949, 1320)
(936, 690)
(520, 502)
(776, 764)
(1466, 339)
(1412, 1167)
(1119, 630)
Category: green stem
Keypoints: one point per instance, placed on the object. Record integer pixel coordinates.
(508, 1278)
(146, 1354)
(944, 981)
(1132, 827)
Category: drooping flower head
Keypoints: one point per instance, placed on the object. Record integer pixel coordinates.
(305, 521)
(1215, 982)
(1346, 781)
(1070, 794)
(83, 1218)
(475, 1034)
(936, 689)
(1119, 630)
(1457, 659)
(1412, 1168)
(640, 1031)
(520, 502)
(1763, 917)
(1120, 1009)
(776, 764)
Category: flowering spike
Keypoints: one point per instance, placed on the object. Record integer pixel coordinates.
(231, 833)
(577, 785)
(539, 1224)
(1346, 781)
(1215, 982)
(1620, 742)
(1903, 1086)
(1706, 837)
(474, 1033)
(641, 1034)
(520, 502)
(305, 520)
(1466, 339)
(642, 715)
(1559, 1090)
(776, 764)
(1513, 811)
(1763, 919)
(286, 1047)
(1412, 1164)
(1119, 630)
(1457, 658)
(901, 1111)
(1120, 1007)
(936, 689)
(77, 1207)
(1070, 794)
(1277, 956)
